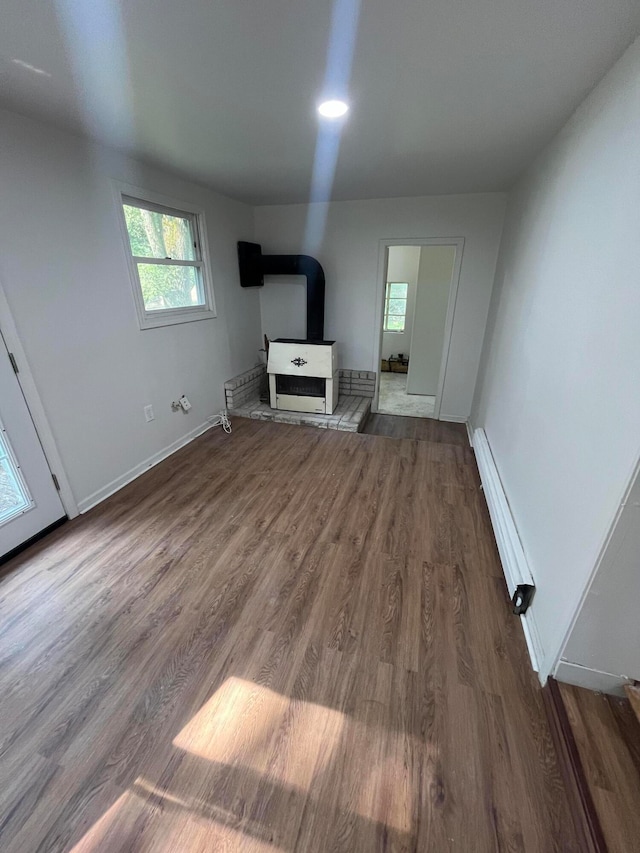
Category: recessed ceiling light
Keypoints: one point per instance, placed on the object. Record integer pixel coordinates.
(333, 109)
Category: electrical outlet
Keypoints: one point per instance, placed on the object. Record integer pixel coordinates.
(148, 413)
(186, 405)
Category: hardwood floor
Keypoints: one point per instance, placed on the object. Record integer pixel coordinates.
(422, 429)
(282, 639)
(607, 735)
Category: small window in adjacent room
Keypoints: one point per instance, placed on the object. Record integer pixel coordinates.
(395, 306)
(171, 280)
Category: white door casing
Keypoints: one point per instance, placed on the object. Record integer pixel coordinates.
(383, 247)
(429, 317)
(9, 332)
(29, 498)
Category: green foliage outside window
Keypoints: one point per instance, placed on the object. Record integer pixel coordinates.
(162, 236)
(395, 306)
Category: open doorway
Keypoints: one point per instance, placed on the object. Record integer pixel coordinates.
(420, 284)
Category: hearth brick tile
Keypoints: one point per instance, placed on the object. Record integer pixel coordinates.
(243, 400)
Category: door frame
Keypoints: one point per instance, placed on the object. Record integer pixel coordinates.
(9, 333)
(383, 262)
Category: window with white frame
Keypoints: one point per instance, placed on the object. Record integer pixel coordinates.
(395, 306)
(170, 275)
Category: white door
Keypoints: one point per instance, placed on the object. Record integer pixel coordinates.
(435, 272)
(29, 500)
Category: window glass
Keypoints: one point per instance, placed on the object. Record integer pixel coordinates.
(170, 281)
(13, 496)
(159, 235)
(169, 287)
(395, 306)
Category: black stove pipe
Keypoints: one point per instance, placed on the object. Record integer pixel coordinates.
(254, 266)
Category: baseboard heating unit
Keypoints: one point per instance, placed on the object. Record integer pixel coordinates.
(514, 562)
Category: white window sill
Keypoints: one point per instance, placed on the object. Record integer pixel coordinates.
(156, 319)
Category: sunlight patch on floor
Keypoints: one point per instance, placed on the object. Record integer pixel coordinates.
(183, 827)
(101, 834)
(246, 746)
(243, 722)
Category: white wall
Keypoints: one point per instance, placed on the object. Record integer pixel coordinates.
(402, 266)
(349, 253)
(558, 393)
(432, 299)
(606, 635)
(63, 267)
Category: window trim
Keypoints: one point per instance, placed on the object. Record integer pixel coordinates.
(385, 315)
(166, 316)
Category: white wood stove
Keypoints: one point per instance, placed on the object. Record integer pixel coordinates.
(303, 375)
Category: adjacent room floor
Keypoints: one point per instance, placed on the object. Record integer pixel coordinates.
(607, 734)
(281, 639)
(394, 400)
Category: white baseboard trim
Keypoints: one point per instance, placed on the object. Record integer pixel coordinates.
(534, 645)
(514, 562)
(469, 426)
(592, 679)
(453, 419)
(115, 485)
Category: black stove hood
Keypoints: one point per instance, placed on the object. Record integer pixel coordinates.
(254, 266)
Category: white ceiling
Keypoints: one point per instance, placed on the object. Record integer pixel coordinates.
(447, 95)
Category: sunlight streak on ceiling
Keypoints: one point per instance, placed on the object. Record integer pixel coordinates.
(95, 40)
(28, 67)
(342, 42)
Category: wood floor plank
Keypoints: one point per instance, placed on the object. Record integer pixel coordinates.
(283, 639)
(607, 734)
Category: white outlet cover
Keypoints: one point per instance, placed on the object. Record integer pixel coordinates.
(148, 413)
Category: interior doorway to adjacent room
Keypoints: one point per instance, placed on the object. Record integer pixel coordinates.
(419, 299)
